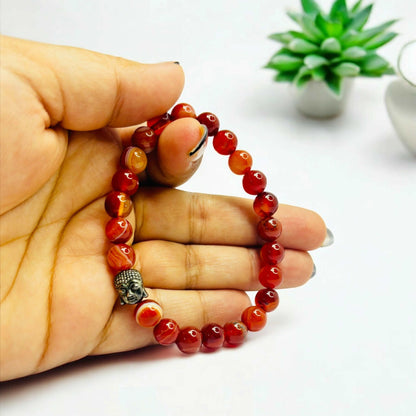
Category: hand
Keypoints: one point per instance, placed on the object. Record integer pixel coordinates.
(61, 113)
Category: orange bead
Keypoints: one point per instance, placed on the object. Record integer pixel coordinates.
(148, 313)
(121, 257)
(133, 158)
(240, 162)
(267, 299)
(182, 110)
(118, 204)
(254, 318)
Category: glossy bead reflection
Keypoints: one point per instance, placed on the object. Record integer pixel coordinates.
(269, 229)
(118, 204)
(121, 257)
(235, 333)
(272, 253)
(145, 138)
(118, 230)
(254, 318)
(267, 299)
(225, 142)
(270, 276)
(189, 340)
(265, 204)
(212, 336)
(240, 162)
(211, 121)
(254, 182)
(148, 313)
(166, 332)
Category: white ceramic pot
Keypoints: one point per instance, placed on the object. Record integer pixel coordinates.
(315, 99)
(401, 98)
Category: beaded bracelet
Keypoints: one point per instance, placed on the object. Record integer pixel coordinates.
(121, 256)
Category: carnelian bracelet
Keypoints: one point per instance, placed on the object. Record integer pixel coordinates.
(121, 256)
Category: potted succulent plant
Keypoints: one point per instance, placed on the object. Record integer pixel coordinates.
(330, 49)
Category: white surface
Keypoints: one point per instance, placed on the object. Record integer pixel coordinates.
(344, 344)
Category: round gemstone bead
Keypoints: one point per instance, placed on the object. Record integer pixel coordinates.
(166, 332)
(267, 299)
(272, 253)
(121, 257)
(265, 204)
(254, 318)
(118, 204)
(124, 180)
(270, 276)
(211, 121)
(235, 332)
(189, 340)
(212, 336)
(240, 162)
(148, 313)
(269, 229)
(133, 158)
(118, 230)
(225, 142)
(182, 110)
(159, 123)
(145, 138)
(254, 182)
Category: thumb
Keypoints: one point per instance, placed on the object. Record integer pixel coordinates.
(84, 90)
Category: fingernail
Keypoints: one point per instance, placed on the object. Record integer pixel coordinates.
(329, 239)
(313, 271)
(177, 63)
(197, 152)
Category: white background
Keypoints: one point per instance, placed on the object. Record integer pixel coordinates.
(345, 343)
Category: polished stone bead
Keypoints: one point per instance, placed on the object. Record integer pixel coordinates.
(272, 253)
(269, 229)
(225, 142)
(235, 333)
(145, 138)
(265, 204)
(166, 332)
(267, 299)
(270, 276)
(240, 162)
(118, 230)
(124, 180)
(182, 110)
(134, 159)
(254, 318)
(211, 121)
(121, 257)
(148, 313)
(212, 336)
(189, 340)
(254, 182)
(118, 204)
(159, 123)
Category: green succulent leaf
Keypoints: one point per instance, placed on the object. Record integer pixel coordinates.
(354, 53)
(356, 7)
(309, 27)
(315, 61)
(331, 45)
(360, 18)
(334, 82)
(354, 38)
(380, 40)
(285, 76)
(300, 35)
(328, 27)
(346, 69)
(339, 11)
(374, 64)
(296, 17)
(284, 38)
(319, 74)
(302, 46)
(284, 62)
(302, 77)
(310, 6)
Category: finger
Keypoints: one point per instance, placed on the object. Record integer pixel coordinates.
(84, 90)
(180, 149)
(183, 217)
(179, 266)
(187, 308)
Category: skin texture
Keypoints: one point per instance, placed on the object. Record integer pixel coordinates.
(65, 113)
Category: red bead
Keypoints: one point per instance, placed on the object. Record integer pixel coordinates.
(265, 204)
(121, 257)
(254, 182)
(267, 299)
(212, 336)
(270, 276)
(182, 110)
(145, 138)
(159, 123)
(124, 180)
(269, 229)
(211, 121)
(254, 318)
(118, 230)
(118, 204)
(272, 253)
(133, 158)
(166, 332)
(240, 162)
(225, 142)
(148, 313)
(189, 340)
(235, 332)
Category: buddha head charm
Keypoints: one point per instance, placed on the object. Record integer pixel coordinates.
(121, 256)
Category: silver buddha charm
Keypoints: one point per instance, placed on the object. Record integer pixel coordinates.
(129, 285)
